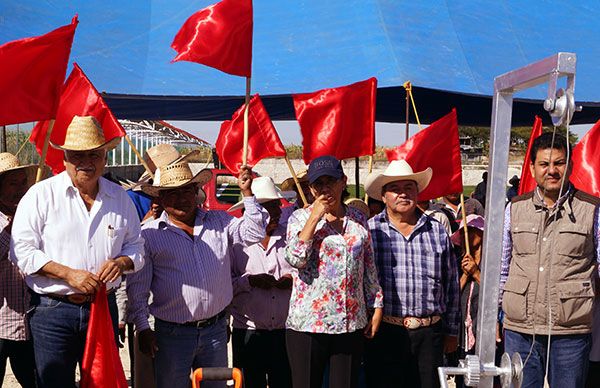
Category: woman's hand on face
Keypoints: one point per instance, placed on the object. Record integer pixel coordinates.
(320, 207)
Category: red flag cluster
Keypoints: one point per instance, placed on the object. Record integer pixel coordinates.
(33, 71)
(338, 121)
(263, 141)
(586, 164)
(101, 366)
(527, 182)
(219, 36)
(79, 97)
(438, 147)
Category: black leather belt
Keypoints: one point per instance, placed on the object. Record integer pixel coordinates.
(76, 298)
(201, 323)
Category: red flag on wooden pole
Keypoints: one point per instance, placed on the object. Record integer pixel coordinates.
(218, 36)
(101, 366)
(338, 121)
(263, 141)
(586, 163)
(438, 147)
(527, 183)
(32, 75)
(79, 97)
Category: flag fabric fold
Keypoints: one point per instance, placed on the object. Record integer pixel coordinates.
(586, 163)
(263, 140)
(218, 36)
(101, 366)
(79, 97)
(438, 147)
(338, 121)
(32, 75)
(527, 183)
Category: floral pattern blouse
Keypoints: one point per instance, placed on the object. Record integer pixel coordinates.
(336, 280)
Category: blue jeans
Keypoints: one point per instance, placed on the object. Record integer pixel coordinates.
(182, 349)
(568, 358)
(58, 331)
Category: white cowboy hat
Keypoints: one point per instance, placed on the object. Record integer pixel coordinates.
(264, 190)
(175, 176)
(85, 134)
(398, 170)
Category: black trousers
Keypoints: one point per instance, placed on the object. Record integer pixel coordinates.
(262, 357)
(309, 353)
(398, 357)
(22, 362)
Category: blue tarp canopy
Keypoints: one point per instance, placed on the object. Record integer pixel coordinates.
(451, 51)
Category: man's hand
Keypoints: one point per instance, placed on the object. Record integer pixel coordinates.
(111, 270)
(450, 344)
(373, 325)
(245, 181)
(147, 342)
(263, 280)
(284, 282)
(84, 281)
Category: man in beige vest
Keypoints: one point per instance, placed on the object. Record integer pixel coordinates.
(547, 281)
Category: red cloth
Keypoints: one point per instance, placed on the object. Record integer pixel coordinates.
(79, 97)
(101, 366)
(32, 74)
(338, 121)
(527, 182)
(263, 140)
(438, 147)
(586, 163)
(218, 36)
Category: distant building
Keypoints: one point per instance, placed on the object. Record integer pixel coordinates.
(468, 151)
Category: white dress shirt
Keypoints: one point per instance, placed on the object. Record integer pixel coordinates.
(52, 223)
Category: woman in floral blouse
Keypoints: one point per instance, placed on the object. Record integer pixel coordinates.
(336, 298)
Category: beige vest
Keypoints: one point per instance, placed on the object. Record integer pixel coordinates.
(553, 264)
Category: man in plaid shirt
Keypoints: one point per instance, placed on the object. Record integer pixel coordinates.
(418, 272)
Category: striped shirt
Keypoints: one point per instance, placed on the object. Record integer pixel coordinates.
(190, 279)
(418, 273)
(14, 297)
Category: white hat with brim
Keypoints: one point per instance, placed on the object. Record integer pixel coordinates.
(398, 170)
(264, 190)
(9, 162)
(85, 134)
(175, 176)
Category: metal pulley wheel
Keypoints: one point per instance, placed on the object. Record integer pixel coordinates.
(561, 109)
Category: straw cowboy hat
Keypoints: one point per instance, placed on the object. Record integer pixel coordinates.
(396, 171)
(174, 176)
(9, 162)
(358, 204)
(264, 190)
(289, 184)
(85, 134)
(162, 155)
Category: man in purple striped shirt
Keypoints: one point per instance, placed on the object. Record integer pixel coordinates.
(188, 271)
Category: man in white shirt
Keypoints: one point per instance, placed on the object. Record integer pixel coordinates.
(71, 234)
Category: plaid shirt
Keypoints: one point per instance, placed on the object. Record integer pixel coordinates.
(418, 273)
(14, 297)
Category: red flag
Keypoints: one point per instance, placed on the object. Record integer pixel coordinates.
(527, 182)
(32, 74)
(79, 97)
(339, 121)
(438, 147)
(586, 164)
(101, 366)
(263, 141)
(218, 36)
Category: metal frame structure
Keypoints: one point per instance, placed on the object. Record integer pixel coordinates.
(479, 370)
(147, 133)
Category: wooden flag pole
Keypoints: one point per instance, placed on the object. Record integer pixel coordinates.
(300, 191)
(21, 148)
(370, 171)
(42, 164)
(464, 217)
(246, 111)
(137, 153)
(407, 89)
